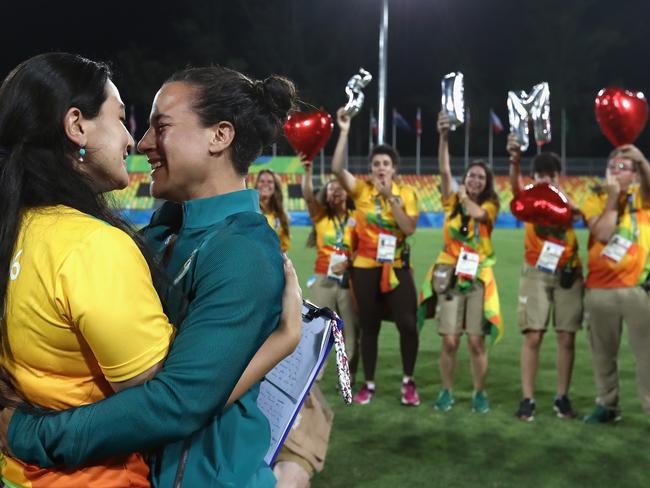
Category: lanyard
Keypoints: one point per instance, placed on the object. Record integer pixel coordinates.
(477, 234)
(339, 227)
(630, 205)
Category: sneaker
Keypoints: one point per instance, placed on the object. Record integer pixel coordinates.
(445, 401)
(364, 395)
(562, 407)
(526, 410)
(480, 402)
(603, 415)
(410, 395)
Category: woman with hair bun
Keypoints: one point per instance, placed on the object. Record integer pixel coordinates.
(206, 126)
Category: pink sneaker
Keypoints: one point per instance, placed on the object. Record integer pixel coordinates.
(410, 395)
(364, 395)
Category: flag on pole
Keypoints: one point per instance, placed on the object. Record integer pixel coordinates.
(399, 121)
(373, 124)
(496, 122)
(418, 122)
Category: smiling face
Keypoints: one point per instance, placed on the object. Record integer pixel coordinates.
(336, 195)
(108, 145)
(177, 145)
(382, 168)
(475, 181)
(265, 185)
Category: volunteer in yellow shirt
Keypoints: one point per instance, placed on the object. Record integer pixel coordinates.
(386, 213)
(618, 286)
(269, 186)
(468, 302)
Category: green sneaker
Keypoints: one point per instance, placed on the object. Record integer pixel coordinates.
(445, 401)
(480, 402)
(603, 415)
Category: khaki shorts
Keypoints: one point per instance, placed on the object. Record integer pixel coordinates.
(286, 456)
(539, 292)
(307, 441)
(460, 312)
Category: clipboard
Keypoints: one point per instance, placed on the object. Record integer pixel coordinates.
(284, 389)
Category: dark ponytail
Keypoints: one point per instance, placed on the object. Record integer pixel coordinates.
(256, 109)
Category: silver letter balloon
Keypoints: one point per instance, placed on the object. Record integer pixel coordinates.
(353, 90)
(523, 107)
(453, 98)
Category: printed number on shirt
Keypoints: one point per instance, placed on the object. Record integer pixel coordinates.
(15, 266)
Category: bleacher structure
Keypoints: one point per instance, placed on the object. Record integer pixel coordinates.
(137, 204)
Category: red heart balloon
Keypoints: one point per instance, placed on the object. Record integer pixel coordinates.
(542, 204)
(621, 114)
(308, 132)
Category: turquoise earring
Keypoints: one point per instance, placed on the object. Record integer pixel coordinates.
(82, 153)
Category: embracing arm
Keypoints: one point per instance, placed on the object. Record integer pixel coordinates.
(282, 342)
(225, 325)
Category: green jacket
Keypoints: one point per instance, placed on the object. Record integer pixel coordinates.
(227, 262)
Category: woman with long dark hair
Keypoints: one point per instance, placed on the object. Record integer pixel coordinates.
(462, 279)
(76, 284)
(386, 213)
(269, 186)
(335, 239)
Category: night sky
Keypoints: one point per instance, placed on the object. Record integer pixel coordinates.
(500, 45)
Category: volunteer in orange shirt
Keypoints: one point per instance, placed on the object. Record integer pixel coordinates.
(618, 286)
(550, 286)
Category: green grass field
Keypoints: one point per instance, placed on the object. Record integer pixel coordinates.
(386, 445)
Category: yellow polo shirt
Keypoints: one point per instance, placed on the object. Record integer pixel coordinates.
(81, 309)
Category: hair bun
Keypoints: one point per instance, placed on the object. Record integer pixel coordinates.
(279, 93)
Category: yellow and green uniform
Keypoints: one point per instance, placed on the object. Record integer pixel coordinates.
(274, 221)
(454, 241)
(374, 216)
(80, 310)
(224, 248)
(333, 235)
(633, 224)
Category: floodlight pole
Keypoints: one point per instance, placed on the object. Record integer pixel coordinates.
(383, 55)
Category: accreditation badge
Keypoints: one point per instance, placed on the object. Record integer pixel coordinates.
(386, 246)
(549, 257)
(467, 264)
(616, 248)
(336, 258)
